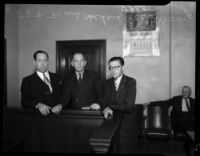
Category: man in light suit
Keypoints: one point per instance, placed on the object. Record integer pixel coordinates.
(183, 108)
(82, 87)
(41, 90)
(119, 93)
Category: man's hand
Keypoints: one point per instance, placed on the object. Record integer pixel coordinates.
(44, 109)
(107, 112)
(56, 109)
(95, 106)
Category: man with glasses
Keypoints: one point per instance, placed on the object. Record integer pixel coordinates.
(119, 91)
(119, 94)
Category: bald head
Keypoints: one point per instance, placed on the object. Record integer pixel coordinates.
(186, 91)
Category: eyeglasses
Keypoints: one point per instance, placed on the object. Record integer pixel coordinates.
(114, 68)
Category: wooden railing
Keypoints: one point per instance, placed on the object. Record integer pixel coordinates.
(72, 131)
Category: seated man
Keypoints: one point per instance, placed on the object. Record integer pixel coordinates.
(183, 108)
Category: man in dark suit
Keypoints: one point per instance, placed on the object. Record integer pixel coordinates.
(119, 93)
(82, 87)
(41, 90)
(183, 108)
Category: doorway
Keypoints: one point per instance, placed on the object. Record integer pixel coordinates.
(93, 50)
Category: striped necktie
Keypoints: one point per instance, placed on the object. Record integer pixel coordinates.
(115, 84)
(47, 81)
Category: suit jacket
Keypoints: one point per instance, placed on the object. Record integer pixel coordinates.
(124, 98)
(35, 90)
(78, 95)
(176, 103)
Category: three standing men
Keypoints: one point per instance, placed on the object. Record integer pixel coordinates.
(83, 88)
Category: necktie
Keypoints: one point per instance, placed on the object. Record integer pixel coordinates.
(187, 104)
(115, 91)
(115, 84)
(79, 78)
(47, 81)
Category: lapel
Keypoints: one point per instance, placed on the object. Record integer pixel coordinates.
(121, 85)
(37, 78)
(180, 102)
(190, 104)
(51, 80)
(112, 93)
(84, 78)
(74, 82)
(40, 81)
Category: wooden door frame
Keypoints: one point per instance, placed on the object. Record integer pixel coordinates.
(101, 43)
(5, 74)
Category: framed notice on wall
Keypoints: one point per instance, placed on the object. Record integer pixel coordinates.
(141, 21)
(140, 34)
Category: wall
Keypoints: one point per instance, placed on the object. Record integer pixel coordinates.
(11, 35)
(152, 73)
(183, 40)
(40, 26)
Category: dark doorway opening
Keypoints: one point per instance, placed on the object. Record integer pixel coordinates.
(93, 50)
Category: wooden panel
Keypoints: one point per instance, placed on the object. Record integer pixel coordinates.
(101, 142)
(61, 138)
(68, 132)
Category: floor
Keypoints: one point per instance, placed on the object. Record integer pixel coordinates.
(155, 147)
(166, 148)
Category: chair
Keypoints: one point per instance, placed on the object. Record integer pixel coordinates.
(157, 122)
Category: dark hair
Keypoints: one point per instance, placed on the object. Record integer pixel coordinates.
(117, 58)
(38, 52)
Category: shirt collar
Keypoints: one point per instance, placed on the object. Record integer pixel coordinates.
(40, 74)
(118, 80)
(185, 97)
(77, 73)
